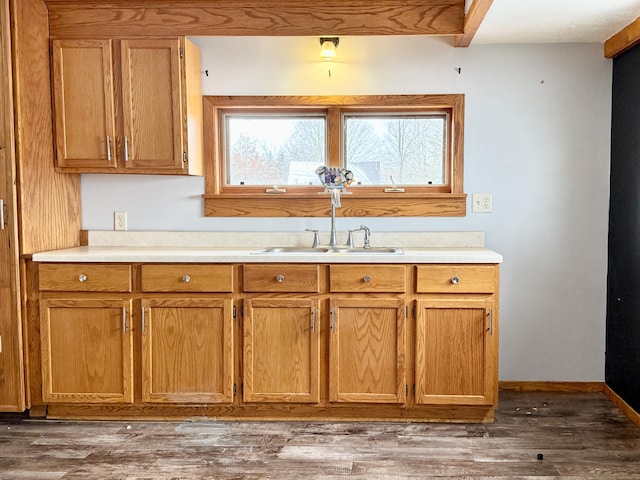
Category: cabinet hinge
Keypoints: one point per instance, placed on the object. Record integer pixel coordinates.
(181, 52)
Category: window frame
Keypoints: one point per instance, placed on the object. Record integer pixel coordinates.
(221, 200)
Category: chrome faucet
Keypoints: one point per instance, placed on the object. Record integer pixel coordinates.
(367, 237)
(335, 202)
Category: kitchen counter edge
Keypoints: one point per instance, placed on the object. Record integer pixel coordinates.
(102, 254)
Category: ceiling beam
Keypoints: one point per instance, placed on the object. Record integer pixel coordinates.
(118, 18)
(472, 20)
(622, 41)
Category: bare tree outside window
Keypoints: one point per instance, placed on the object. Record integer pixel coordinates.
(274, 150)
(400, 148)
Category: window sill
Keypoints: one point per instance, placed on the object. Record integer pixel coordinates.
(304, 205)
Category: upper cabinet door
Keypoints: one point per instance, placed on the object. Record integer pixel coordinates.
(84, 118)
(152, 104)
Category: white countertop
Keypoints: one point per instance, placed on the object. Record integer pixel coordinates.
(185, 247)
(98, 254)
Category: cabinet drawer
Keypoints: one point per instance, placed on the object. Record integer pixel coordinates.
(187, 278)
(367, 278)
(455, 278)
(82, 277)
(281, 278)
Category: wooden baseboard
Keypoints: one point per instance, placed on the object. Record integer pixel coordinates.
(586, 387)
(622, 405)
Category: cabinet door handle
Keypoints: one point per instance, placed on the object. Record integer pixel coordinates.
(186, 278)
(491, 321)
(108, 148)
(455, 280)
(126, 149)
(143, 319)
(280, 278)
(124, 319)
(82, 278)
(313, 321)
(366, 279)
(1, 214)
(333, 320)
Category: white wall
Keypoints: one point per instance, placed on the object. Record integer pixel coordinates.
(537, 135)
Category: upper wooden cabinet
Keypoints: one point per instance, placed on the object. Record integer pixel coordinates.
(127, 106)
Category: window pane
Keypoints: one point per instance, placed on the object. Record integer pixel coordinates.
(408, 149)
(274, 149)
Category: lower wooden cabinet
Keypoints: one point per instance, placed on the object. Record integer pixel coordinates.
(367, 350)
(281, 350)
(187, 350)
(87, 350)
(276, 341)
(456, 352)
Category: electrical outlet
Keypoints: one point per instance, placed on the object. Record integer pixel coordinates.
(119, 220)
(481, 203)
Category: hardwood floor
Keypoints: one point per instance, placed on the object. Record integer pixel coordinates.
(579, 436)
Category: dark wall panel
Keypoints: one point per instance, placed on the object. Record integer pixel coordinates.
(622, 370)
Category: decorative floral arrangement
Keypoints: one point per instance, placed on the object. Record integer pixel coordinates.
(334, 177)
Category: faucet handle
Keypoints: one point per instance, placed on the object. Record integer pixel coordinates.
(316, 237)
(350, 238)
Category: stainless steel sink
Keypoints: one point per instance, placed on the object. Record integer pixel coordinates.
(368, 251)
(290, 250)
(330, 250)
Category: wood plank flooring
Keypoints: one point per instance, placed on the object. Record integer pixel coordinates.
(579, 435)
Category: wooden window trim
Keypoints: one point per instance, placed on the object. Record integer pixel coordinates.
(307, 201)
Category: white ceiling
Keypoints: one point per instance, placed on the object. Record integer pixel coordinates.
(555, 21)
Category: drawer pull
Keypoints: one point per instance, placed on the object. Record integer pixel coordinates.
(366, 279)
(186, 278)
(280, 278)
(82, 278)
(455, 280)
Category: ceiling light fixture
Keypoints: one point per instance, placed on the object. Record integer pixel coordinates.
(328, 47)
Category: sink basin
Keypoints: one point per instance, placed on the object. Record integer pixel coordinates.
(330, 250)
(289, 250)
(368, 251)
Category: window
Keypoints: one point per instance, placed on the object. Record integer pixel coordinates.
(405, 152)
(273, 149)
(402, 148)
